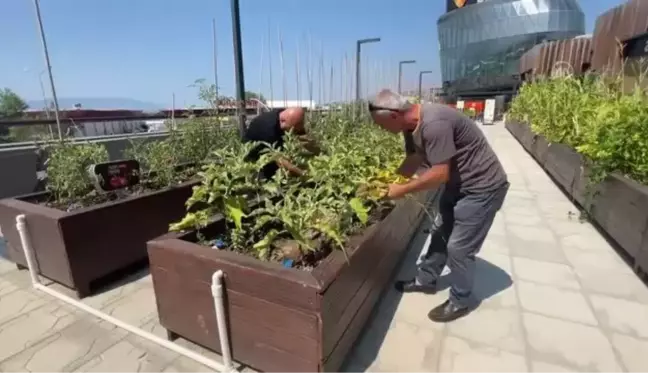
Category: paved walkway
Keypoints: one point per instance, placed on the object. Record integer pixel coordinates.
(556, 297)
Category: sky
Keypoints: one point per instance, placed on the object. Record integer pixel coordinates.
(151, 50)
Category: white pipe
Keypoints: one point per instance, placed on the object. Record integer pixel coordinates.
(217, 288)
(217, 293)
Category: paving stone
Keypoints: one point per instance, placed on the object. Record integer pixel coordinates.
(67, 349)
(136, 309)
(541, 366)
(586, 241)
(555, 274)
(632, 352)
(567, 343)
(500, 328)
(125, 357)
(413, 309)
(459, 355)
(534, 243)
(603, 262)
(531, 219)
(30, 327)
(621, 315)
(496, 243)
(552, 301)
(184, 364)
(395, 355)
(620, 285)
(5, 265)
(17, 302)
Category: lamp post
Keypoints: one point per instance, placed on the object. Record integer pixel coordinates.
(238, 65)
(358, 48)
(400, 72)
(49, 68)
(420, 86)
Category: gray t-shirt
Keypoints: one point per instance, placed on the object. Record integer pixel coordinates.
(446, 134)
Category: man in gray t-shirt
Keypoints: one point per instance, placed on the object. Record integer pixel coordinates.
(449, 150)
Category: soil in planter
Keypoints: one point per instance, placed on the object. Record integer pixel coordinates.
(286, 251)
(94, 197)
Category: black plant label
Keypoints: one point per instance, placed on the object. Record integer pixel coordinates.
(110, 176)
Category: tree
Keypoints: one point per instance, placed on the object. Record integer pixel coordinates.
(11, 104)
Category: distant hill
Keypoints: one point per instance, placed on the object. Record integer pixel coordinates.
(100, 103)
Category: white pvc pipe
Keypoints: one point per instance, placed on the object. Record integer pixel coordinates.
(217, 293)
(217, 289)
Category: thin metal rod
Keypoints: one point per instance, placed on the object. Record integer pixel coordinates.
(270, 63)
(261, 72)
(49, 69)
(215, 62)
(298, 73)
(282, 61)
(238, 66)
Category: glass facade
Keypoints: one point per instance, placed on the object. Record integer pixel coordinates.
(488, 38)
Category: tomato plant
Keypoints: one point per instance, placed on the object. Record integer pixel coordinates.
(300, 217)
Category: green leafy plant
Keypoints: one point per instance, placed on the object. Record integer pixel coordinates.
(598, 116)
(300, 218)
(68, 177)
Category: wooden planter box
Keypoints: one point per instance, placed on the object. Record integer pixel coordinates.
(281, 319)
(620, 208)
(79, 247)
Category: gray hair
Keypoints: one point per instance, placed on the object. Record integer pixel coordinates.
(389, 100)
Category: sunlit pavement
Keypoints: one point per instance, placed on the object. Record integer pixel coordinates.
(555, 296)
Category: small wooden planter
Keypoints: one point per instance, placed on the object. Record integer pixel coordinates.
(79, 247)
(620, 208)
(281, 319)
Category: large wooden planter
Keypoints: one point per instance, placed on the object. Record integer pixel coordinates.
(620, 208)
(79, 247)
(281, 319)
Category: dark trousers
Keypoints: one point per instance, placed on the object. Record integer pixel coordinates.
(457, 235)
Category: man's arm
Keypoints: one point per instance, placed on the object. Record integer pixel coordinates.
(287, 165)
(410, 165)
(439, 150)
(430, 179)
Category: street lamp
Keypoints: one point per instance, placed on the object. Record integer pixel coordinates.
(49, 68)
(358, 44)
(400, 72)
(238, 65)
(420, 86)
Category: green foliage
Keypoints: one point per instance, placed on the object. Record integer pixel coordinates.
(68, 177)
(11, 105)
(594, 116)
(321, 209)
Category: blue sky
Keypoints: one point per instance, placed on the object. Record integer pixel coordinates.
(150, 49)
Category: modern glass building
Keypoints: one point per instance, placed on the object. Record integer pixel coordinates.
(481, 42)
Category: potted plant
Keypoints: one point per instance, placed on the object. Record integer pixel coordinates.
(81, 235)
(305, 259)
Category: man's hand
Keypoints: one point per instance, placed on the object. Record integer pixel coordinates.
(309, 144)
(285, 164)
(396, 191)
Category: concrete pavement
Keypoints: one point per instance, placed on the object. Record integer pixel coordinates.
(555, 297)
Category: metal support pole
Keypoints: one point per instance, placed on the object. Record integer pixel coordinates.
(238, 66)
(49, 68)
(357, 72)
(400, 73)
(420, 84)
(215, 63)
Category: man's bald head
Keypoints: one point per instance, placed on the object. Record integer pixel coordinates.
(293, 118)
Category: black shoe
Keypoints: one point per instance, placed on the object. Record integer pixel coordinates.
(447, 312)
(410, 286)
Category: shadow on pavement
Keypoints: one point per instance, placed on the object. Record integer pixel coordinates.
(3, 248)
(489, 281)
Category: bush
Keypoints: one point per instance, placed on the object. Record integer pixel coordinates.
(592, 115)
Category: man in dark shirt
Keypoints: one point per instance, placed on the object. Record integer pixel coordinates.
(449, 149)
(270, 127)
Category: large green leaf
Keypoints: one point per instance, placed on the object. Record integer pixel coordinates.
(359, 209)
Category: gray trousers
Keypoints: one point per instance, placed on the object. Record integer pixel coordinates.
(457, 235)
